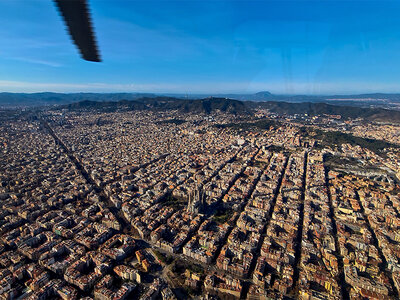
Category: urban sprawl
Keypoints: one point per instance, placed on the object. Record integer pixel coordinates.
(166, 205)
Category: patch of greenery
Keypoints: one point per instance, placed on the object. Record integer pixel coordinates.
(174, 202)
(177, 267)
(189, 290)
(201, 131)
(166, 259)
(340, 160)
(171, 121)
(196, 268)
(223, 215)
(276, 148)
(329, 138)
(344, 164)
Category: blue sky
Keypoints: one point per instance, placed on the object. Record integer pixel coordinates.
(286, 47)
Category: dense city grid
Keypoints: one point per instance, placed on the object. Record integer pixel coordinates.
(151, 205)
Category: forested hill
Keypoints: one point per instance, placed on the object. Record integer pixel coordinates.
(207, 105)
(313, 109)
(210, 105)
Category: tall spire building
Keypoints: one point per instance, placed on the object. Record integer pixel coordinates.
(196, 200)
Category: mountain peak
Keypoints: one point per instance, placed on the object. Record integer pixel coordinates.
(263, 93)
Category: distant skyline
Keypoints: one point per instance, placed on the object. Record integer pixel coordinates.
(285, 47)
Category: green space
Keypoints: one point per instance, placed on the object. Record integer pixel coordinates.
(194, 268)
(223, 216)
(336, 160)
(345, 164)
(276, 148)
(337, 138)
(175, 202)
(166, 259)
(171, 121)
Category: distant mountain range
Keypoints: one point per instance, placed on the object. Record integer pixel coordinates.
(210, 105)
(353, 106)
(207, 105)
(267, 96)
(48, 98)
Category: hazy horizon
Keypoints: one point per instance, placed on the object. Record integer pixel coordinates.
(203, 93)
